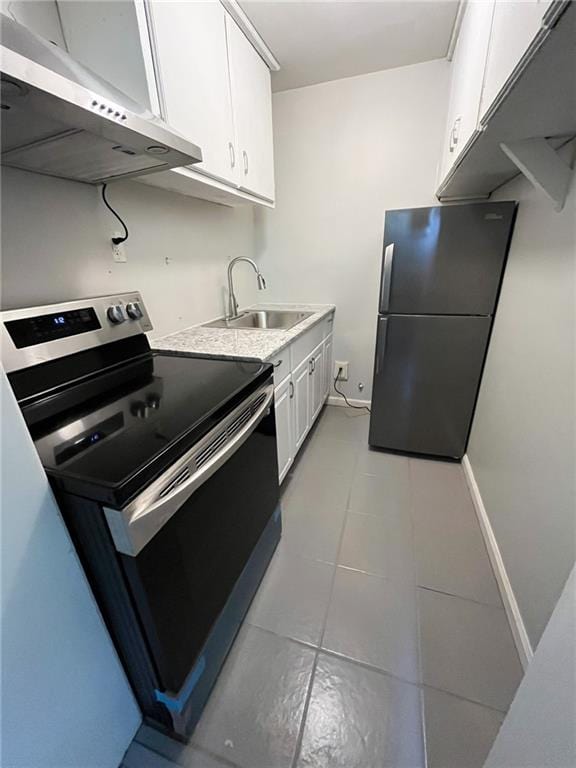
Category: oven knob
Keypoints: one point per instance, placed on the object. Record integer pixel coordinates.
(116, 314)
(153, 402)
(139, 409)
(133, 310)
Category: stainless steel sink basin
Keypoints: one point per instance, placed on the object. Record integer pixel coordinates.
(262, 319)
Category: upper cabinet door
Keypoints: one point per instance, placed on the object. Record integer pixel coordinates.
(252, 102)
(515, 25)
(468, 67)
(189, 39)
(112, 40)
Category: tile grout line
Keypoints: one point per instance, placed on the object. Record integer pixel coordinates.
(461, 597)
(411, 512)
(325, 619)
(300, 737)
(378, 670)
(426, 686)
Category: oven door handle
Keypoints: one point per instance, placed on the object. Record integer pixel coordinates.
(135, 525)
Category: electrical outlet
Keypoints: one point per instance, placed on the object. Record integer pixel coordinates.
(341, 370)
(119, 250)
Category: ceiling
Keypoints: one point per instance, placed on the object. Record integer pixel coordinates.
(322, 40)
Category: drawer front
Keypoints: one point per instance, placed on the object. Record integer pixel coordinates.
(304, 345)
(282, 365)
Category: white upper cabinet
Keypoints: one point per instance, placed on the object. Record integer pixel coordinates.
(252, 108)
(515, 25)
(189, 39)
(512, 82)
(206, 75)
(468, 66)
(111, 39)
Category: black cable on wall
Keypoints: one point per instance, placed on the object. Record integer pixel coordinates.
(115, 240)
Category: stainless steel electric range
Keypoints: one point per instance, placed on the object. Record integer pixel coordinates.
(165, 470)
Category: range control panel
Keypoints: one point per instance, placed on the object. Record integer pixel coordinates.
(38, 334)
(36, 330)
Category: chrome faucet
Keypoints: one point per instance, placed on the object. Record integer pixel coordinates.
(232, 303)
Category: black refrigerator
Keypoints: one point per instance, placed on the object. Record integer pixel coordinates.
(441, 274)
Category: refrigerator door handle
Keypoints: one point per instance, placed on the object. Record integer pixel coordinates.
(381, 342)
(386, 278)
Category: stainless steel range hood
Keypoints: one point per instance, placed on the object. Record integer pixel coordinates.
(60, 119)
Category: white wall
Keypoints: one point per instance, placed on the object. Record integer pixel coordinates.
(65, 700)
(56, 246)
(522, 445)
(540, 728)
(345, 151)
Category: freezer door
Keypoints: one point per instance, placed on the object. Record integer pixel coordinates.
(426, 376)
(445, 260)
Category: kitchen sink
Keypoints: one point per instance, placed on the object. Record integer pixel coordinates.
(262, 319)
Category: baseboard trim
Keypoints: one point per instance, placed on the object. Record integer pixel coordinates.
(519, 633)
(337, 400)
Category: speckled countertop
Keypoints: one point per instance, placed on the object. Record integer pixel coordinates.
(234, 343)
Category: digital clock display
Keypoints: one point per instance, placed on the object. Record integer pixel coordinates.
(30, 331)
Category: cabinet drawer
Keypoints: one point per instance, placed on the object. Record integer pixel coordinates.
(282, 366)
(304, 345)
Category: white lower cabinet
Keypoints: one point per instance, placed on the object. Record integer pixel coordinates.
(301, 408)
(328, 364)
(302, 374)
(283, 396)
(317, 396)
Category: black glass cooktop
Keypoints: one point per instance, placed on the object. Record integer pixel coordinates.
(137, 421)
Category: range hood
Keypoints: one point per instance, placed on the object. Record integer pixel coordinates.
(60, 119)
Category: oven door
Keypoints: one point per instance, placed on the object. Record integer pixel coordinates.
(184, 543)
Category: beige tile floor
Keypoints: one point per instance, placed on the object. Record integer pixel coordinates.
(377, 638)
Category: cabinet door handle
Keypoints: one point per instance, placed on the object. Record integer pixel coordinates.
(310, 369)
(278, 364)
(291, 389)
(232, 154)
(245, 156)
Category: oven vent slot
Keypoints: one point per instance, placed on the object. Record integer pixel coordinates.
(238, 422)
(175, 482)
(258, 402)
(206, 453)
(227, 434)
